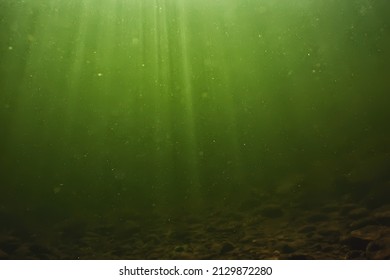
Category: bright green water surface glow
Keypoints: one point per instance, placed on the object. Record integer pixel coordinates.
(179, 104)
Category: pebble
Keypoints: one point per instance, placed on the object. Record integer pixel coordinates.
(355, 255)
(361, 223)
(226, 248)
(330, 235)
(355, 243)
(287, 249)
(379, 249)
(383, 218)
(179, 249)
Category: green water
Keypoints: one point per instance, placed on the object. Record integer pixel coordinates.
(175, 106)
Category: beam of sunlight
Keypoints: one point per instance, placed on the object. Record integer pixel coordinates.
(191, 147)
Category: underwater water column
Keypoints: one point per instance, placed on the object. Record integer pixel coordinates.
(107, 105)
(156, 104)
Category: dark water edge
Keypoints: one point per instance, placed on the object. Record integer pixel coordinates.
(338, 227)
(338, 230)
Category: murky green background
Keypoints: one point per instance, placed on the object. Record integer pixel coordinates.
(173, 106)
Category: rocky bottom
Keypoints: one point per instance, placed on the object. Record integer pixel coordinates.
(341, 230)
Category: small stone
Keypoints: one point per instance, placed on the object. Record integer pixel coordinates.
(287, 249)
(355, 243)
(331, 235)
(379, 249)
(361, 223)
(355, 255)
(179, 249)
(383, 218)
(226, 247)
(370, 232)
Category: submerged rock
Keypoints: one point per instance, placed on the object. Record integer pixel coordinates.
(379, 249)
(287, 249)
(226, 248)
(370, 232)
(362, 223)
(330, 235)
(355, 255)
(358, 213)
(383, 218)
(360, 238)
(355, 243)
